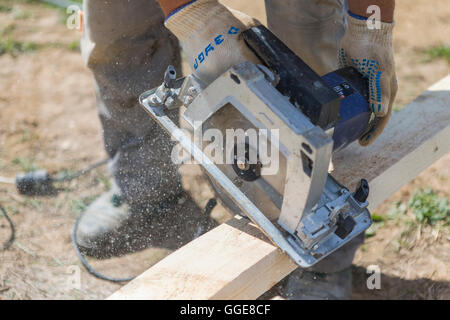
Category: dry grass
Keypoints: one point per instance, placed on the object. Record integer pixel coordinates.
(49, 120)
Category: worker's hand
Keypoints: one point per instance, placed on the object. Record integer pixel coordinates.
(209, 34)
(371, 52)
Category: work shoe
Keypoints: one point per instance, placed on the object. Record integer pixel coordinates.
(110, 228)
(307, 285)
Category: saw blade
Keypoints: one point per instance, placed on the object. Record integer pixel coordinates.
(266, 191)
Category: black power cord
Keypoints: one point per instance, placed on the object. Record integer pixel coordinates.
(207, 211)
(10, 241)
(67, 178)
(40, 183)
(84, 262)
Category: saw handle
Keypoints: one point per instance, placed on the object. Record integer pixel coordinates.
(338, 100)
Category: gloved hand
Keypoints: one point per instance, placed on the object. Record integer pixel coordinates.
(209, 34)
(371, 52)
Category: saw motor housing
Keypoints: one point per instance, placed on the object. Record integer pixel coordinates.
(300, 207)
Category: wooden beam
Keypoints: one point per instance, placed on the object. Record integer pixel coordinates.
(234, 261)
(416, 137)
(209, 268)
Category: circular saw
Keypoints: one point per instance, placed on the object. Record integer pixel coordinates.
(265, 135)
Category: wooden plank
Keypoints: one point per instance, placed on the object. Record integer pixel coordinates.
(415, 138)
(233, 261)
(208, 268)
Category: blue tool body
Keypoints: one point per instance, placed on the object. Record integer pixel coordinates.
(354, 112)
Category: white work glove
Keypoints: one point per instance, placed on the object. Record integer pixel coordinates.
(371, 52)
(209, 34)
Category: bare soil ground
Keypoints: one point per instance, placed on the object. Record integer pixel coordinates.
(48, 120)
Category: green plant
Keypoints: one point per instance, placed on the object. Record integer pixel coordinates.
(19, 14)
(8, 30)
(36, 204)
(378, 222)
(78, 206)
(28, 135)
(9, 45)
(5, 8)
(428, 207)
(12, 210)
(397, 211)
(441, 51)
(422, 208)
(74, 46)
(14, 47)
(26, 164)
(105, 181)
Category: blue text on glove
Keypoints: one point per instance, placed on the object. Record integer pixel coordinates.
(218, 40)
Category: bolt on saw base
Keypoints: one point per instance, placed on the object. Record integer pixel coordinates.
(301, 208)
